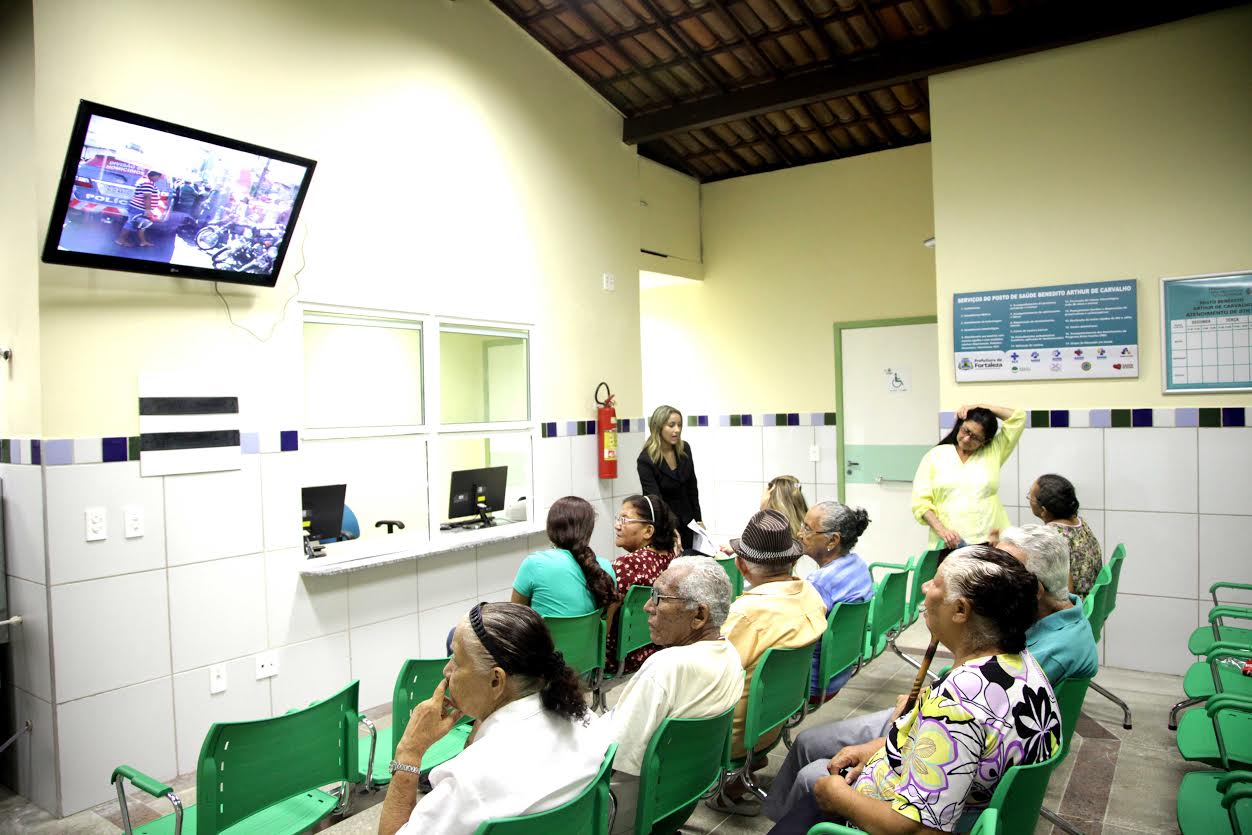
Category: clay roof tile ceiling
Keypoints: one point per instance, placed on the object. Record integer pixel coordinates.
(723, 88)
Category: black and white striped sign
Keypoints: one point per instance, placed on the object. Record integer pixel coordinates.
(180, 434)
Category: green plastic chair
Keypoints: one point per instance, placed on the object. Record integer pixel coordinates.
(1099, 604)
(886, 613)
(1203, 638)
(416, 682)
(1070, 695)
(632, 623)
(1210, 677)
(1019, 795)
(988, 823)
(1095, 604)
(581, 640)
(732, 571)
(586, 814)
(684, 761)
(1221, 736)
(262, 776)
(841, 644)
(1215, 803)
(779, 690)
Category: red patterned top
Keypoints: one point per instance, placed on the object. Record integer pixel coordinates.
(638, 568)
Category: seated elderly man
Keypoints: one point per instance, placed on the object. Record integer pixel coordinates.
(938, 763)
(696, 674)
(1060, 639)
(779, 610)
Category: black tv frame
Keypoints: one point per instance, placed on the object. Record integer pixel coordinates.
(52, 254)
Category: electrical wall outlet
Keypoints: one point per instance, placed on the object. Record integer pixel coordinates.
(96, 519)
(266, 665)
(815, 453)
(217, 679)
(609, 282)
(133, 521)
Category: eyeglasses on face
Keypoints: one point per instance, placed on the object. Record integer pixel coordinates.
(626, 520)
(973, 436)
(656, 597)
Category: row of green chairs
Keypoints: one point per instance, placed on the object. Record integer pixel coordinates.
(1099, 603)
(1217, 642)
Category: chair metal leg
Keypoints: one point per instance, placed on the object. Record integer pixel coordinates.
(1115, 700)
(1180, 707)
(1057, 821)
(368, 783)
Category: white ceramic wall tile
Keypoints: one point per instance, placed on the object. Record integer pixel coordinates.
(552, 470)
(434, 625)
(217, 611)
(133, 725)
(1009, 476)
(603, 536)
(35, 760)
(109, 633)
(210, 516)
(828, 466)
(1226, 470)
(703, 443)
(1150, 469)
(385, 477)
(23, 522)
(301, 608)
(280, 499)
(785, 451)
(628, 448)
(72, 489)
(377, 652)
(1095, 521)
(1161, 552)
(382, 593)
(310, 671)
(32, 659)
(736, 501)
(1224, 556)
(739, 454)
(825, 493)
(585, 478)
(444, 578)
(1077, 454)
(195, 709)
(1016, 517)
(497, 565)
(1149, 633)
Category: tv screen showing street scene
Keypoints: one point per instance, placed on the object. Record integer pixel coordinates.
(143, 195)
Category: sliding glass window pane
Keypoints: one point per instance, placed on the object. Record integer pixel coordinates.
(483, 376)
(362, 372)
(452, 453)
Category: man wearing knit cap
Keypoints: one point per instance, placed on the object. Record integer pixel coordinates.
(779, 610)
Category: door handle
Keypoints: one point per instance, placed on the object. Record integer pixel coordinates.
(851, 464)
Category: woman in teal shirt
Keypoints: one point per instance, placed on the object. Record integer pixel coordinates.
(567, 580)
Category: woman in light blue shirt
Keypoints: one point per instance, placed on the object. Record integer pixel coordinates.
(829, 533)
(568, 580)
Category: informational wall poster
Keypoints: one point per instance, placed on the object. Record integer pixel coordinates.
(1057, 332)
(1207, 328)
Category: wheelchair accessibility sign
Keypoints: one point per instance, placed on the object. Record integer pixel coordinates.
(897, 380)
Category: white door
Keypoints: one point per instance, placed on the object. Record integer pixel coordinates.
(889, 419)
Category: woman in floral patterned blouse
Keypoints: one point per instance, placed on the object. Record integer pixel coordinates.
(1052, 499)
(646, 530)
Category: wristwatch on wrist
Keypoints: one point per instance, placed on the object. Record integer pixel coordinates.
(396, 765)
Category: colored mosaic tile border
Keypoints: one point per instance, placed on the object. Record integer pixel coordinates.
(573, 428)
(764, 419)
(1207, 417)
(52, 452)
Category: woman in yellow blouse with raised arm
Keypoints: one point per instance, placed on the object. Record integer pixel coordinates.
(955, 490)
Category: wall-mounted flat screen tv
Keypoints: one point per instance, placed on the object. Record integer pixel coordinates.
(144, 195)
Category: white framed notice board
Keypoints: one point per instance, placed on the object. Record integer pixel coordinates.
(1206, 333)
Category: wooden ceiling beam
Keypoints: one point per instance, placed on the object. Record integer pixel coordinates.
(1031, 30)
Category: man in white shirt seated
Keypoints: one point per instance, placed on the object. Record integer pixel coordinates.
(698, 674)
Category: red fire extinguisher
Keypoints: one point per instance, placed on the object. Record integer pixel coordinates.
(606, 432)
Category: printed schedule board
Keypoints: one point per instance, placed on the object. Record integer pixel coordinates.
(1207, 327)
(1057, 332)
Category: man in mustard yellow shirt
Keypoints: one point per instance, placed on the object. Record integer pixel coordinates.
(956, 488)
(779, 610)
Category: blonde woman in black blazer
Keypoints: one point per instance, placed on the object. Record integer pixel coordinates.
(667, 470)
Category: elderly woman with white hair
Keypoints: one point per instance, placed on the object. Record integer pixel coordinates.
(506, 673)
(1060, 639)
(937, 765)
(696, 674)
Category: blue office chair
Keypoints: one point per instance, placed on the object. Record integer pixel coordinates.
(349, 528)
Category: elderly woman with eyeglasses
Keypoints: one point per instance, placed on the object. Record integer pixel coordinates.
(529, 705)
(936, 764)
(645, 529)
(956, 488)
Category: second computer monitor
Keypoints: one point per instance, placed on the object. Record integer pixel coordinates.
(477, 492)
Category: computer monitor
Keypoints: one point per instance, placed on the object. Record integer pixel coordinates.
(477, 493)
(323, 507)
